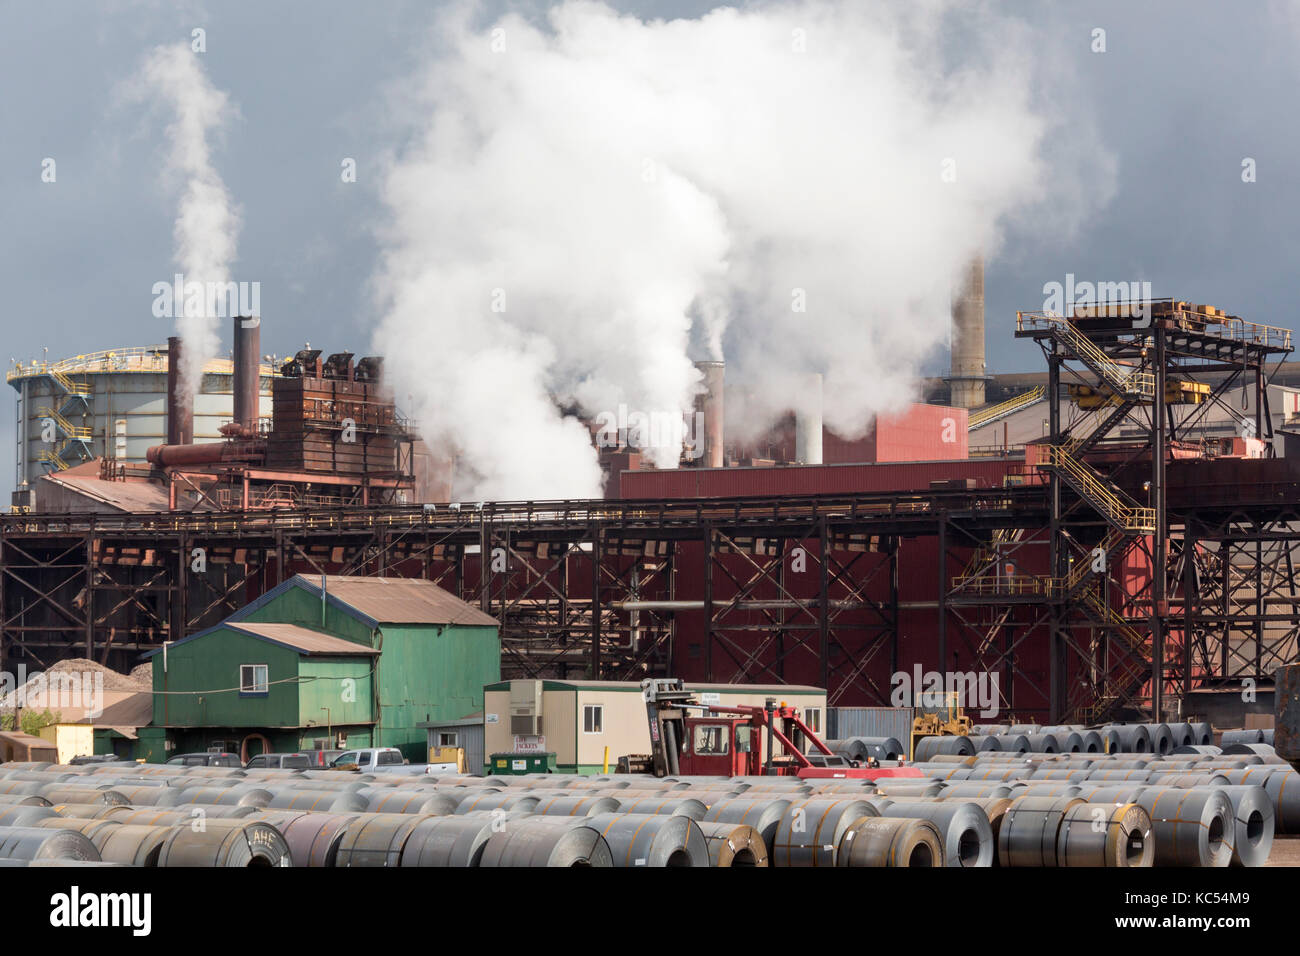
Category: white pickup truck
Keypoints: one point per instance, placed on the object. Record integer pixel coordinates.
(385, 760)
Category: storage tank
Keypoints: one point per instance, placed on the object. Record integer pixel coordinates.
(112, 404)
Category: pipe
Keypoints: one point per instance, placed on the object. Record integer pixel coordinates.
(808, 425)
(247, 370)
(712, 401)
(180, 407)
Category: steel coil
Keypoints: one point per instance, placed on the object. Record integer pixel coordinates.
(1253, 819)
(1028, 835)
(86, 828)
(1093, 835)
(403, 801)
(975, 789)
(1241, 737)
(375, 839)
(762, 813)
(1092, 742)
(225, 843)
(1188, 779)
(314, 838)
(984, 743)
(810, 830)
(1043, 743)
(216, 796)
(41, 843)
(967, 833)
(1162, 738)
(1068, 742)
(1183, 734)
(928, 747)
(891, 841)
(130, 844)
(318, 801)
(494, 800)
(733, 844)
(664, 806)
(637, 839)
(1191, 827)
(1283, 786)
(990, 729)
(551, 841)
(24, 816)
(455, 841)
(1133, 738)
(1201, 750)
(1110, 793)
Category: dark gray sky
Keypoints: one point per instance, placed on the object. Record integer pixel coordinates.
(1184, 92)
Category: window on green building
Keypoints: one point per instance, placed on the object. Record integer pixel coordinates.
(593, 719)
(252, 680)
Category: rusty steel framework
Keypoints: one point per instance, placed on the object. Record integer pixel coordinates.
(1145, 585)
(110, 587)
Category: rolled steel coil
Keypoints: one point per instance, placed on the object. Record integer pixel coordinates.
(1068, 742)
(24, 816)
(1110, 740)
(375, 839)
(1241, 737)
(577, 805)
(1134, 775)
(900, 789)
(1052, 788)
(1110, 793)
(995, 809)
(1043, 743)
(1191, 827)
(1162, 738)
(1201, 750)
(967, 833)
(86, 828)
(22, 788)
(71, 793)
(494, 800)
(852, 748)
(1265, 752)
(1092, 742)
(1025, 729)
(216, 796)
(22, 800)
(891, 841)
(664, 806)
(1028, 835)
(314, 838)
(928, 747)
(1268, 735)
(551, 841)
(985, 743)
(763, 814)
(990, 729)
(41, 843)
(637, 839)
(1253, 819)
(1183, 734)
(862, 748)
(319, 801)
(1203, 733)
(1093, 835)
(225, 843)
(130, 844)
(1133, 738)
(1052, 773)
(141, 796)
(1189, 779)
(414, 800)
(980, 790)
(810, 830)
(449, 841)
(187, 815)
(1283, 786)
(733, 844)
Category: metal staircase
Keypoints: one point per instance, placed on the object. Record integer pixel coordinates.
(1125, 380)
(993, 413)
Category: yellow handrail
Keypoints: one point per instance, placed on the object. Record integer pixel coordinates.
(1124, 379)
(985, 415)
(1105, 498)
(81, 433)
(146, 358)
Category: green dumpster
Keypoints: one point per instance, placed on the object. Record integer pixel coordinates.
(513, 764)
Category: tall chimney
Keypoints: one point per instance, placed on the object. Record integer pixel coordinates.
(808, 425)
(968, 369)
(247, 365)
(180, 406)
(714, 378)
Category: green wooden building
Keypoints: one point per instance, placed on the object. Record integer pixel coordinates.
(328, 661)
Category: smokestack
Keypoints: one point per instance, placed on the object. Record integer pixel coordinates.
(180, 406)
(968, 369)
(808, 425)
(248, 345)
(714, 378)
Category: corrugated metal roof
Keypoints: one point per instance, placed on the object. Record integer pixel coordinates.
(398, 600)
(301, 639)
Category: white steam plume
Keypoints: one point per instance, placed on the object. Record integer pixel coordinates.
(591, 203)
(206, 231)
